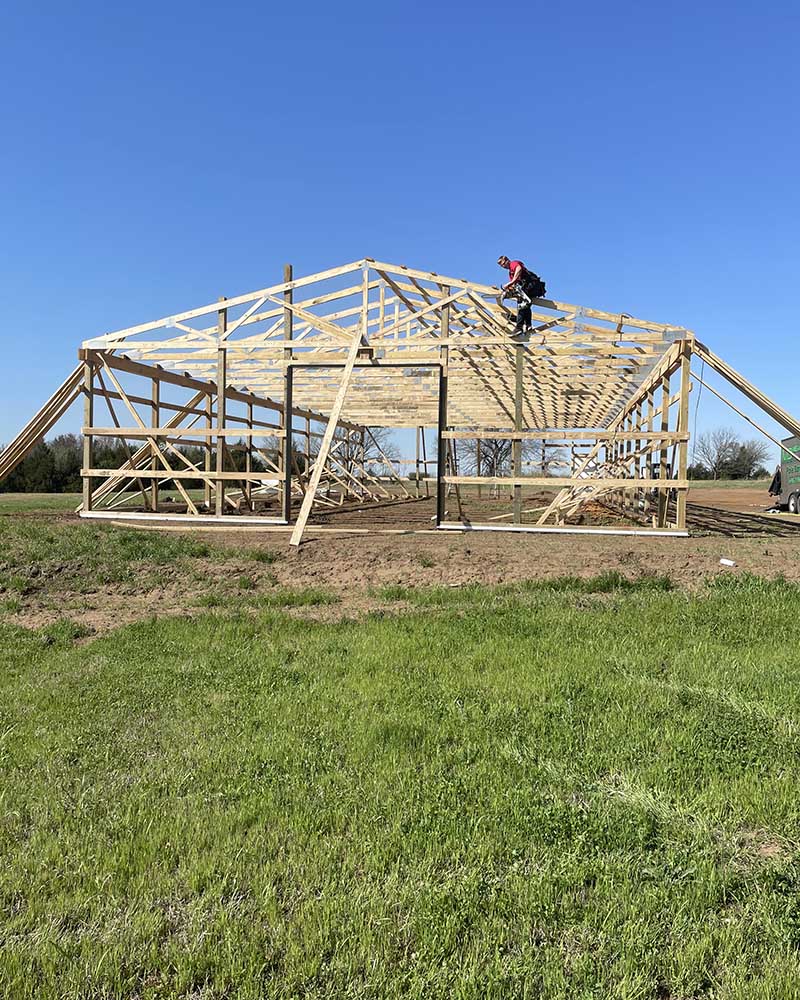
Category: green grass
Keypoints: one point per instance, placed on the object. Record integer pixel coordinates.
(63, 632)
(39, 553)
(265, 555)
(610, 582)
(573, 790)
(284, 597)
(16, 503)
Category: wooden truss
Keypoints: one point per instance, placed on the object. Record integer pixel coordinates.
(373, 344)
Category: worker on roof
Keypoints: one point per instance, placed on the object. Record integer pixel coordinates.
(524, 286)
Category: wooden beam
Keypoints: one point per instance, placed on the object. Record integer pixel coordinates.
(683, 426)
(516, 444)
(566, 435)
(441, 449)
(222, 405)
(620, 482)
(771, 408)
(155, 420)
(663, 496)
(48, 414)
(795, 455)
(286, 417)
(316, 475)
(88, 419)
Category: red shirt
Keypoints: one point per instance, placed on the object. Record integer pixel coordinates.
(513, 265)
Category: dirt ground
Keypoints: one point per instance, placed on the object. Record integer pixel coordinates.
(766, 546)
(726, 523)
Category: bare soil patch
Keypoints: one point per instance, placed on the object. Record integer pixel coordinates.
(356, 567)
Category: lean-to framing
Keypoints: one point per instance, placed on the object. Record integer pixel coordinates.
(278, 391)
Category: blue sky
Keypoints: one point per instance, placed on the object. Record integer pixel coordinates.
(640, 157)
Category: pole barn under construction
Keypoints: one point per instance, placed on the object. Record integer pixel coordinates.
(264, 408)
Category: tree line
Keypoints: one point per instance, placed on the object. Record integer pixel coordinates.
(721, 454)
(54, 466)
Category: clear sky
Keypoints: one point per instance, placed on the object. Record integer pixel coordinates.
(641, 157)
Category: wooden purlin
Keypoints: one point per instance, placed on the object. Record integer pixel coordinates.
(586, 365)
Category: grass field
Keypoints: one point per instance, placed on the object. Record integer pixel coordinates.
(578, 788)
(13, 503)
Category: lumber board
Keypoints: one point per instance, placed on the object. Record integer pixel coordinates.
(744, 416)
(571, 529)
(567, 435)
(168, 473)
(47, 415)
(558, 481)
(738, 381)
(336, 409)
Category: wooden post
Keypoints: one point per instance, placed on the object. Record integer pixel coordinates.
(209, 451)
(416, 461)
(631, 460)
(663, 496)
(359, 463)
(156, 421)
(478, 465)
(364, 461)
(627, 461)
(222, 381)
(248, 466)
(441, 450)
(683, 427)
(88, 420)
(648, 472)
(425, 464)
(286, 416)
(288, 381)
(453, 455)
(348, 457)
(638, 460)
(516, 445)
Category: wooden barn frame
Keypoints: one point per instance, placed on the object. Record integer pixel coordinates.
(323, 359)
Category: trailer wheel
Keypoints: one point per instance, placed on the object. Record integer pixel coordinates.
(794, 503)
